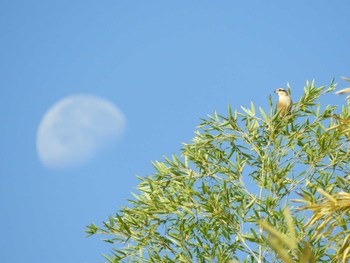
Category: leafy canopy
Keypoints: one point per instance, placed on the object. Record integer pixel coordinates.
(225, 198)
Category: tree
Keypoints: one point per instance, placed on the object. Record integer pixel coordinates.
(249, 188)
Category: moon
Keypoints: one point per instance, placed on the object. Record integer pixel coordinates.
(76, 128)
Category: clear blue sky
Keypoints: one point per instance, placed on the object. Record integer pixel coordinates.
(165, 64)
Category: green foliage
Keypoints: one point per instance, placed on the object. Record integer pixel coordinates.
(234, 181)
(287, 247)
(330, 219)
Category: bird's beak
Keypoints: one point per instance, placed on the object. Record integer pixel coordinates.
(275, 91)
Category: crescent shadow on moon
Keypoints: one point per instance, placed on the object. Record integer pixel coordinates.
(76, 128)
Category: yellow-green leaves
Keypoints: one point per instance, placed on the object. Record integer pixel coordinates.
(330, 220)
(221, 199)
(286, 245)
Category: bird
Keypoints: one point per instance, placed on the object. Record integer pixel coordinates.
(284, 104)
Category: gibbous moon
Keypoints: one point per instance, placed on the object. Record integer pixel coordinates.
(76, 128)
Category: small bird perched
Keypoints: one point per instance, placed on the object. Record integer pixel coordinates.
(284, 102)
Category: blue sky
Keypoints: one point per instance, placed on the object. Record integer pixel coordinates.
(165, 64)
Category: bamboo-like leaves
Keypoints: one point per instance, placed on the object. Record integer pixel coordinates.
(330, 215)
(286, 246)
(211, 203)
